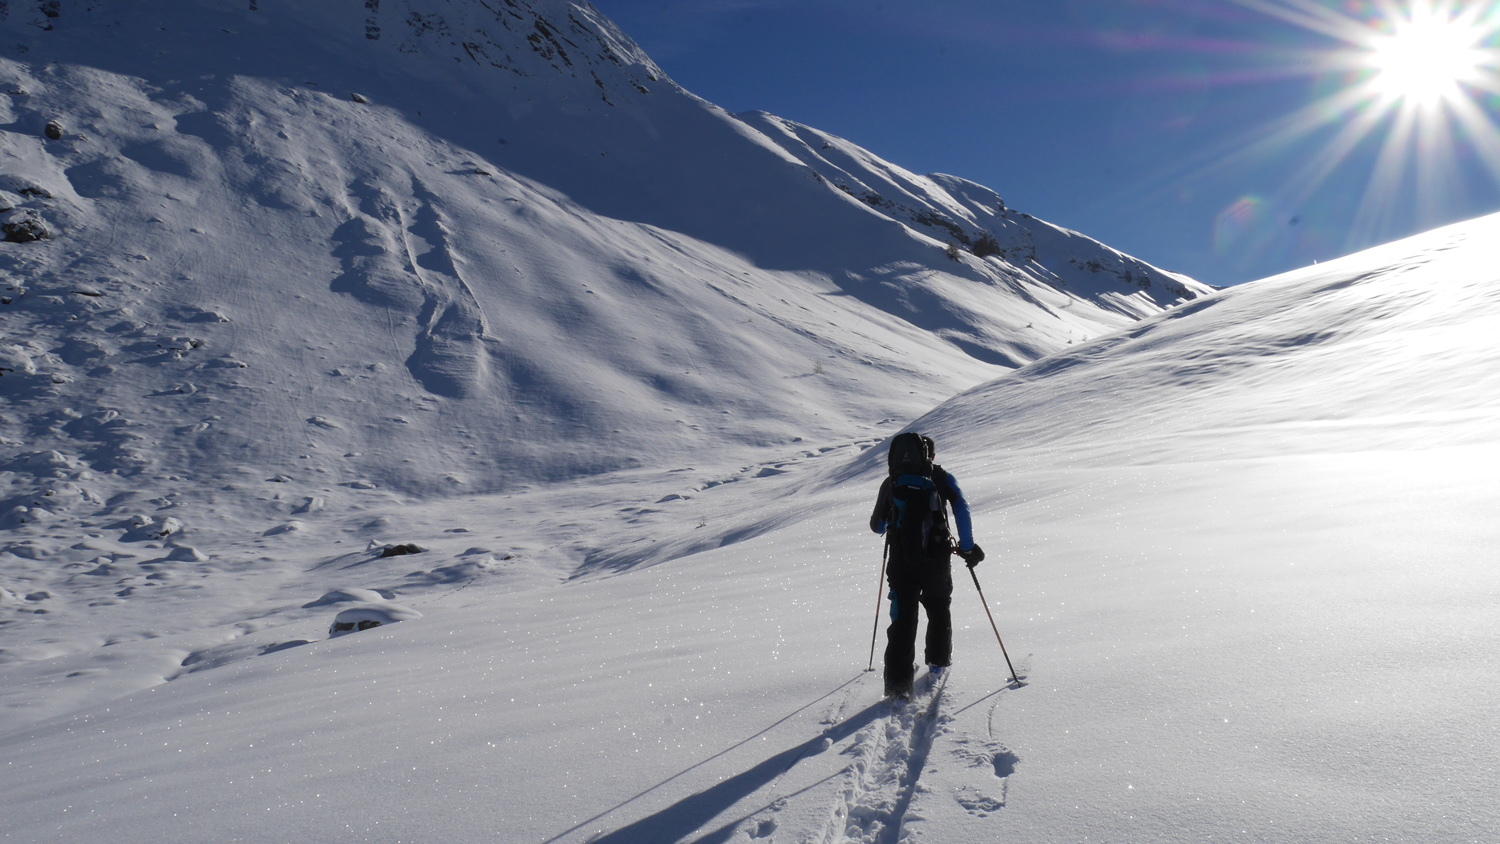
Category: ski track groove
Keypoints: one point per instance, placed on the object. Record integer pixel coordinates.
(889, 757)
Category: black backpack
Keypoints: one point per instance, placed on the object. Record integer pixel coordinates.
(918, 519)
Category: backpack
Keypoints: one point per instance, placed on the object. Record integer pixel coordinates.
(918, 518)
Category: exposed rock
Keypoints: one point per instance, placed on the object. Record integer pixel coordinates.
(366, 616)
(168, 527)
(24, 225)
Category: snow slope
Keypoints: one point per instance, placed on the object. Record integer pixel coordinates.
(312, 263)
(620, 397)
(1242, 556)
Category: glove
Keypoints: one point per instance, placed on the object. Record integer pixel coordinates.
(972, 557)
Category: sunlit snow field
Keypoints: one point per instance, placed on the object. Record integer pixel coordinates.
(1243, 557)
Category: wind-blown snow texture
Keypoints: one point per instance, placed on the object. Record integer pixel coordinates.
(462, 317)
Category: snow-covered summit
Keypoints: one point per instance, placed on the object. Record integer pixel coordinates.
(524, 38)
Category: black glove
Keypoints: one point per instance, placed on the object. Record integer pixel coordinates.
(972, 557)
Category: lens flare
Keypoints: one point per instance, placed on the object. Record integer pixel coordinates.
(1237, 223)
(1419, 79)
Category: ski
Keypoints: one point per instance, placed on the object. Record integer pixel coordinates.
(926, 692)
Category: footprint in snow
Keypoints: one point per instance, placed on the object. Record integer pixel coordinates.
(978, 804)
(982, 801)
(988, 755)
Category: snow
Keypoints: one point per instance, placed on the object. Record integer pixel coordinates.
(619, 387)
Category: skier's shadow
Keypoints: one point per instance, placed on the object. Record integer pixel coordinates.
(682, 818)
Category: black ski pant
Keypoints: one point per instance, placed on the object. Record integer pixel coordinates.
(928, 583)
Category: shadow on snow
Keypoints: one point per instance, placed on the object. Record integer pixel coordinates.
(681, 819)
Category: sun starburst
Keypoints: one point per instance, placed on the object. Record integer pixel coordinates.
(1428, 56)
(1419, 78)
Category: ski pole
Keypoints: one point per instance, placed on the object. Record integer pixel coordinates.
(1013, 677)
(884, 551)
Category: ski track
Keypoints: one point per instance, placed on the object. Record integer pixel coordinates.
(889, 756)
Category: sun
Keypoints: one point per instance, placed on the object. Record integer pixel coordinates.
(1410, 86)
(1427, 57)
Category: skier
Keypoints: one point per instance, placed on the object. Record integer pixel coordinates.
(911, 512)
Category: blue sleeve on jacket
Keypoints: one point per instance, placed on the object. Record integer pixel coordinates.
(961, 516)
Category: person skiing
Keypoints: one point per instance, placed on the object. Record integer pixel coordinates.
(911, 512)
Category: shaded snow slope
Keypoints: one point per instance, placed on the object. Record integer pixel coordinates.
(1242, 555)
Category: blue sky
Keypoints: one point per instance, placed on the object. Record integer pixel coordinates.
(1148, 124)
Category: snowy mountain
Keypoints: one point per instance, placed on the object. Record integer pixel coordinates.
(462, 317)
(278, 261)
(526, 243)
